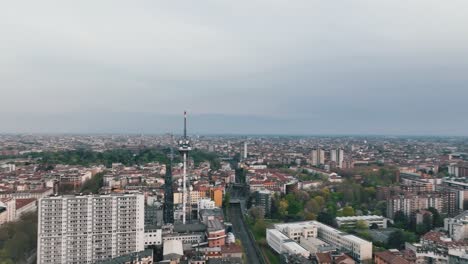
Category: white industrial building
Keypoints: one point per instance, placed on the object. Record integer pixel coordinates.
(300, 232)
(356, 247)
(350, 221)
(89, 228)
(297, 230)
(315, 245)
(280, 243)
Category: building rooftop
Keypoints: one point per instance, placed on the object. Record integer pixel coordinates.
(215, 225)
(189, 228)
(225, 261)
(23, 202)
(389, 257)
(129, 257)
(174, 247)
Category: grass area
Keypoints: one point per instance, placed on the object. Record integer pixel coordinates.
(258, 229)
(270, 255)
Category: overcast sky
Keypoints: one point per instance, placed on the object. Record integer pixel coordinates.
(298, 67)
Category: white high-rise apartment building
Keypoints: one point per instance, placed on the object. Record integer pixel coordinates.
(337, 155)
(318, 157)
(89, 228)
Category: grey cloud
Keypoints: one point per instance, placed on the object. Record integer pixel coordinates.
(399, 64)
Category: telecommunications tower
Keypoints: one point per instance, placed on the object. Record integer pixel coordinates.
(184, 148)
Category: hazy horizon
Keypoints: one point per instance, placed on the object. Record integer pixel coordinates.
(259, 67)
(200, 124)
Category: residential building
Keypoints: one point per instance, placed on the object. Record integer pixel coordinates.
(389, 257)
(408, 203)
(217, 196)
(215, 233)
(317, 157)
(263, 201)
(457, 227)
(89, 228)
(337, 156)
(458, 170)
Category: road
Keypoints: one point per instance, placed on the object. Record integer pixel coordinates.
(241, 232)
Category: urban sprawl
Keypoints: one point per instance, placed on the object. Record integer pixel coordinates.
(193, 199)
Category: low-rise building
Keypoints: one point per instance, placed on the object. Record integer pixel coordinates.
(389, 257)
(356, 247)
(350, 221)
(215, 233)
(173, 250)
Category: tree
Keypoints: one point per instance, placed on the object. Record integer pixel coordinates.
(227, 200)
(295, 206)
(310, 216)
(320, 201)
(381, 206)
(326, 218)
(283, 208)
(312, 207)
(396, 239)
(400, 219)
(301, 196)
(259, 229)
(437, 219)
(18, 239)
(361, 224)
(94, 184)
(409, 237)
(256, 213)
(348, 211)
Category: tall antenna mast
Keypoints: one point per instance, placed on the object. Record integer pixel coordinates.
(185, 124)
(184, 148)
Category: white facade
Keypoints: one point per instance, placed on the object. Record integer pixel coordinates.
(153, 237)
(173, 250)
(337, 155)
(206, 204)
(359, 249)
(297, 230)
(276, 239)
(9, 207)
(187, 239)
(87, 229)
(350, 221)
(356, 247)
